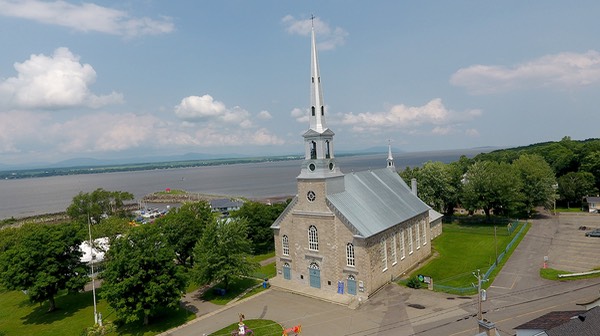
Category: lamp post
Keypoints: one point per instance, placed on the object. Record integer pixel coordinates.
(96, 320)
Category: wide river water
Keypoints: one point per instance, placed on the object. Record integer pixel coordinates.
(34, 196)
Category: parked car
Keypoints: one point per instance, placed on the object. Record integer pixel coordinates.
(593, 233)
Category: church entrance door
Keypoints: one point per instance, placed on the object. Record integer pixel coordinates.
(287, 271)
(351, 285)
(315, 275)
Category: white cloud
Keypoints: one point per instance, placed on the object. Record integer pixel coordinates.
(222, 126)
(559, 71)
(328, 38)
(408, 118)
(19, 128)
(300, 115)
(58, 81)
(204, 109)
(85, 17)
(264, 115)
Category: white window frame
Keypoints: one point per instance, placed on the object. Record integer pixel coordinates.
(350, 260)
(313, 238)
(394, 252)
(384, 254)
(424, 233)
(410, 241)
(418, 235)
(402, 249)
(285, 245)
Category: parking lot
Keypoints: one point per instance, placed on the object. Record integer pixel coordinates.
(570, 249)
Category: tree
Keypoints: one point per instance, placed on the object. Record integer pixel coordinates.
(435, 185)
(260, 217)
(538, 181)
(573, 186)
(98, 204)
(591, 164)
(43, 260)
(223, 252)
(491, 186)
(140, 276)
(183, 228)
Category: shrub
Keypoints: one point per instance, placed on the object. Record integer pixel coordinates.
(414, 283)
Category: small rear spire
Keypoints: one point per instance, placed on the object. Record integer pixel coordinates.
(390, 159)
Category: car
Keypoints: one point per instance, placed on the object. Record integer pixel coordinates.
(593, 233)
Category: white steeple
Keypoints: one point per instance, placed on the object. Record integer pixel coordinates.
(319, 161)
(317, 105)
(390, 159)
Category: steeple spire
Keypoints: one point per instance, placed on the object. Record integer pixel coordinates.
(317, 109)
(390, 159)
(319, 161)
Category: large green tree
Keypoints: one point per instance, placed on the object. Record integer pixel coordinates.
(573, 186)
(140, 275)
(538, 181)
(259, 217)
(223, 252)
(591, 164)
(43, 260)
(491, 186)
(435, 185)
(183, 228)
(97, 205)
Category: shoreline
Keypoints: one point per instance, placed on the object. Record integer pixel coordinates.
(153, 198)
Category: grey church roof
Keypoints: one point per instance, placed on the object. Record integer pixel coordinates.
(375, 200)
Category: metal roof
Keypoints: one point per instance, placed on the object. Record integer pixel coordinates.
(376, 200)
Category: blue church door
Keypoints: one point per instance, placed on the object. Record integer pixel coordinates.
(315, 275)
(287, 271)
(351, 284)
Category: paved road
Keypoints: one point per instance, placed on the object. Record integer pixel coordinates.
(517, 295)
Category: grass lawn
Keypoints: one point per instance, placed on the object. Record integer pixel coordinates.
(236, 287)
(463, 249)
(74, 313)
(259, 327)
(552, 274)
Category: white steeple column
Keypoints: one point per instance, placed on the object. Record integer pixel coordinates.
(390, 159)
(319, 160)
(317, 105)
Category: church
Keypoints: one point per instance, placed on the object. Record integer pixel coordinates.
(347, 235)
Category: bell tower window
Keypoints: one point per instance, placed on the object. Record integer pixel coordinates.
(322, 110)
(313, 150)
(327, 152)
(313, 111)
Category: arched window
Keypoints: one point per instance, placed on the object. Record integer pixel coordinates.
(286, 245)
(322, 110)
(313, 238)
(350, 254)
(313, 111)
(313, 150)
(384, 264)
(327, 149)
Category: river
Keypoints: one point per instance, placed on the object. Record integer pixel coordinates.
(34, 196)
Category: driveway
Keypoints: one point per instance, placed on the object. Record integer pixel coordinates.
(517, 295)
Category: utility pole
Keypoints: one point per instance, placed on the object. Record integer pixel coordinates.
(479, 293)
(96, 319)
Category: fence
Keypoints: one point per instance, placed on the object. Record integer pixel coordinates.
(472, 290)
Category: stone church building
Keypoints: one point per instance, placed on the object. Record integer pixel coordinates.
(347, 234)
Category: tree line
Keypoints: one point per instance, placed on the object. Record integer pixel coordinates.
(512, 181)
(147, 267)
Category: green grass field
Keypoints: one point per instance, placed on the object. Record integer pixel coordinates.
(463, 249)
(74, 313)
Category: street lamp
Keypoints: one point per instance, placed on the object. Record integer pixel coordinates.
(92, 257)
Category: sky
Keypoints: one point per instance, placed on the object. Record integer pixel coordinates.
(121, 79)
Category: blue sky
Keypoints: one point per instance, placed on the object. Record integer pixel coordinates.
(116, 79)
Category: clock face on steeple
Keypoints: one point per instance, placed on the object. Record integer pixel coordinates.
(310, 196)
